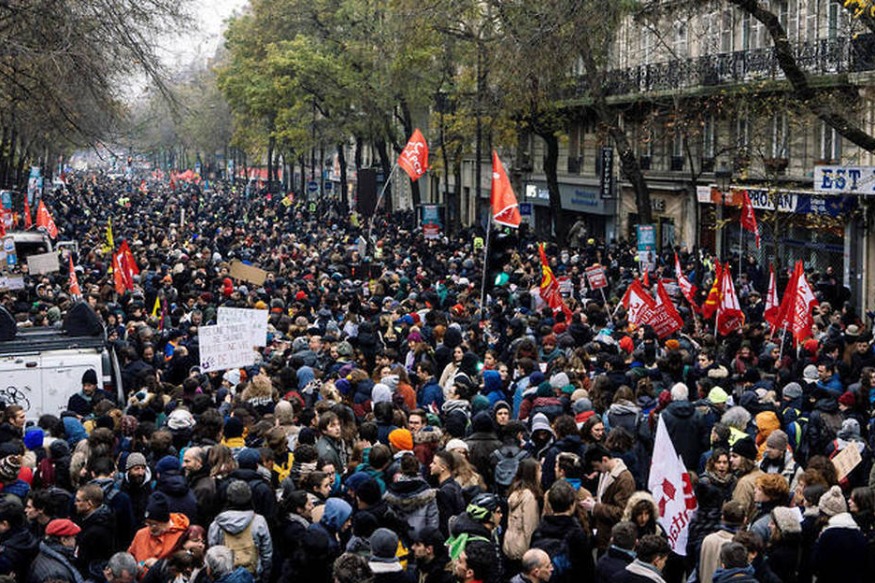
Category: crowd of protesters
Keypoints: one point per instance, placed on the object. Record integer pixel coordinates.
(391, 431)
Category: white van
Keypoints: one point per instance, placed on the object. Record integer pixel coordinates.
(41, 368)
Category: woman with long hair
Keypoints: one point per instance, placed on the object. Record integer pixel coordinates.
(221, 461)
(523, 508)
(465, 473)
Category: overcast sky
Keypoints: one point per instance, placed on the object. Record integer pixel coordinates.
(211, 16)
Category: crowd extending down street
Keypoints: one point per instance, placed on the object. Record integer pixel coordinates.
(392, 431)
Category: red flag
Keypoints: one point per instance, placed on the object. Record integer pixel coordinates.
(550, 287)
(75, 290)
(729, 314)
(710, 305)
(28, 222)
(749, 217)
(786, 307)
(687, 288)
(44, 219)
(414, 156)
(118, 273)
(646, 279)
(664, 318)
(505, 209)
(799, 317)
(638, 303)
(770, 314)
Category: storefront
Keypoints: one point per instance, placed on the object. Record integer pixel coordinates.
(583, 201)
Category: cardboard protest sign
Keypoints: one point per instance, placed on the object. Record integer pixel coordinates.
(239, 270)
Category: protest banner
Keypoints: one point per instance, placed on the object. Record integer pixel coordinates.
(225, 347)
(255, 322)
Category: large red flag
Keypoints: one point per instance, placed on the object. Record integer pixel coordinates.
(118, 274)
(75, 290)
(664, 317)
(414, 157)
(44, 219)
(28, 221)
(782, 319)
(687, 288)
(638, 303)
(505, 209)
(749, 217)
(550, 287)
(770, 314)
(710, 305)
(729, 314)
(800, 318)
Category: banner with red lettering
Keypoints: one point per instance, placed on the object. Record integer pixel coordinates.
(414, 157)
(638, 303)
(672, 490)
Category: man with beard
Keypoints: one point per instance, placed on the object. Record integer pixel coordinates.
(136, 482)
(432, 561)
(197, 474)
(97, 541)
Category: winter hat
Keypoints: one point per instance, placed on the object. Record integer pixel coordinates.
(248, 458)
(344, 386)
(540, 422)
(482, 422)
(135, 459)
(239, 494)
(33, 438)
(454, 444)
(850, 429)
(384, 546)
(545, 390)
(479, 404)
(559, 380)
(536, 378)
(777, 439)
(344, 349)
(717, 396)
(401, 439)
(499, 405)
(180, 419)
(787, 520)
(158, 507)
(456, 423)
(792, 391)
(746, 448)
(62, 527)
(672, 344)
(848, 399)
(809, 374)
(9, 468)
(582, 405)
(232, 376)
(579, 394)
(381, 393)
(89, 377)
(169, 463)
(833, 502)
(233, 428)
(627, 344)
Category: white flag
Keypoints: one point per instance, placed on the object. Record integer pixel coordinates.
(671, 488)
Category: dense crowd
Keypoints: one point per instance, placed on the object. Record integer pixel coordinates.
(392, 431)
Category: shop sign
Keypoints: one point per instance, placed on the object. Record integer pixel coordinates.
(845, 179)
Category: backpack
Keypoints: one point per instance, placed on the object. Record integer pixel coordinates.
(506, 461)
(559, 552)
(45, 473)
(243, 546)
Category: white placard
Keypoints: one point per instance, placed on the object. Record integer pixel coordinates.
(254, 320)
(43, 263)
(15, 282)
(224, 347)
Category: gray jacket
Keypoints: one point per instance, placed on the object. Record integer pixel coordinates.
(236, 521)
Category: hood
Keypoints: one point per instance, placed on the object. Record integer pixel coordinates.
(843, 520)
(680, 409)
(743, 573)
(22, 540)
(305, 375)
(767, 421)
(827, 405)
(74, 430)
(452, 337)
(624, 408)
(635, 499)
(408, 495)
(146, 480)
(235, 521)
(173, 484)
(337, 511)
(491, 381)
(428, 434)
(556, 526)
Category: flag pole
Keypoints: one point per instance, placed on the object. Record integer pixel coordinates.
(485, 268)
(380, 200)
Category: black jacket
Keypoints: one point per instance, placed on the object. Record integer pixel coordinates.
(555, 528)
(97, 541)
(18, 547)
(610, 564)
(687, 431)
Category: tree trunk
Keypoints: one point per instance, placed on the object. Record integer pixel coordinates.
(382, 150)
(551, 161)
(457, 191)
(341, 161)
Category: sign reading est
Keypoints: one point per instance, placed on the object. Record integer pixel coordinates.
(845, 179)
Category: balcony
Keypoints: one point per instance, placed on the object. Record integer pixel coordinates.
(824, 57)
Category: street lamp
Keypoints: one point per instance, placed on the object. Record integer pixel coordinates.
(724, 180)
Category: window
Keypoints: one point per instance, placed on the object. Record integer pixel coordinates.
(742, 132)
(809, 8)
(727, 32)
(680, 40)
(830, 144)
(833, 21)
(780, 136)
(746, 44)
(646, 45)
(710, 38)
(709, 136)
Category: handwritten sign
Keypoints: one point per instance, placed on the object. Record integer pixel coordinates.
(255, 322)
(42, 263)
(846, 460)
(239, 270)
(224, 347)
